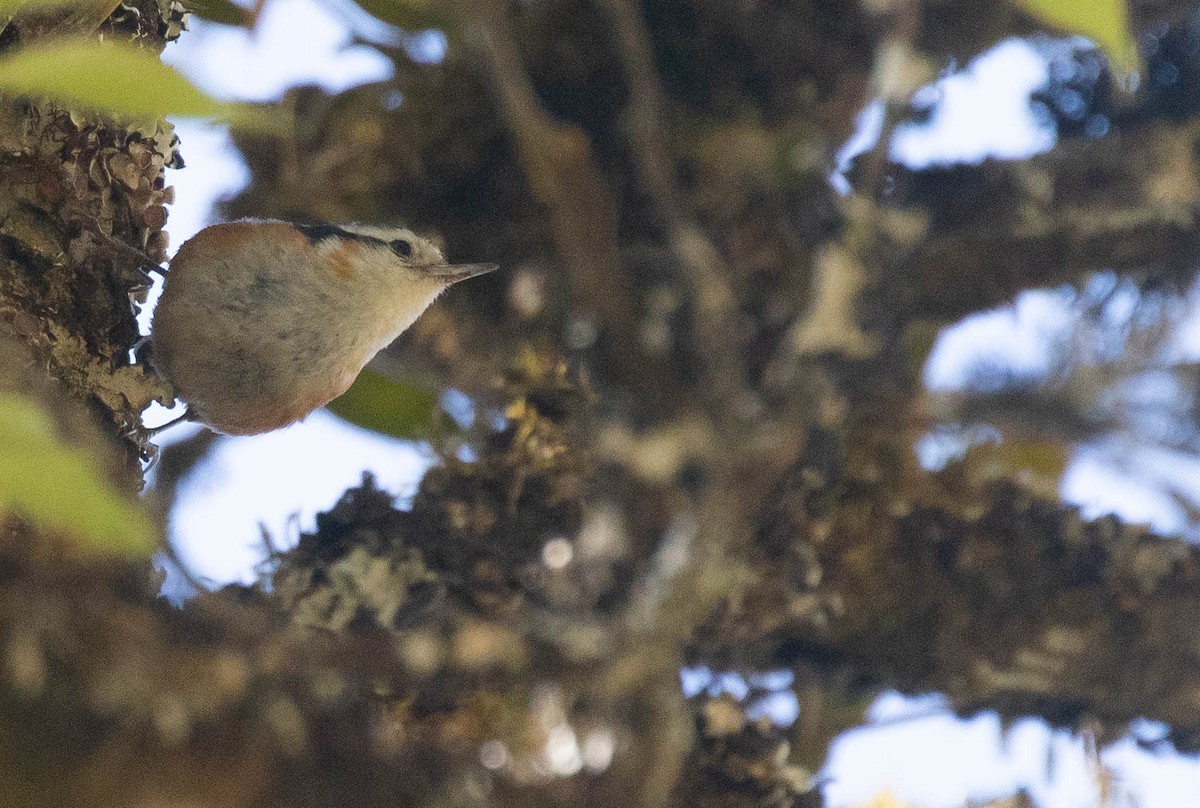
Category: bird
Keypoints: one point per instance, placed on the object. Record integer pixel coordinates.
(262, 321)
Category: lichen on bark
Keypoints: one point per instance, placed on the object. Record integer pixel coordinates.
(70, 181)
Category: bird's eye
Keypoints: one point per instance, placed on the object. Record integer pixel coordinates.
(402, 247)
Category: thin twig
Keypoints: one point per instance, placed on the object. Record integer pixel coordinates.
(557, 159)
(717, 327)
(174, 462)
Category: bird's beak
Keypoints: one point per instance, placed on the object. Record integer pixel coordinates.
(453, 273)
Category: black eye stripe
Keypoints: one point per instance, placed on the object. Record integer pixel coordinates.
(317, 233)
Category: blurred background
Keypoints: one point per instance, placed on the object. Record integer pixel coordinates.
(1106, 364)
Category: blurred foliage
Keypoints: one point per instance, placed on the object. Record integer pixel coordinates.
(411, 15)
(59, 488)
(1082, 101)
(1038, 466)
(388, 406)
(116, 79)
(1106, 22)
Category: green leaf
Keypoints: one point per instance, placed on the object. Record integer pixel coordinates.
(222, 11)
(116, 79)
(9, 8)
(59, 487)
(1105, 22)
(68, 17)
(389, 407)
